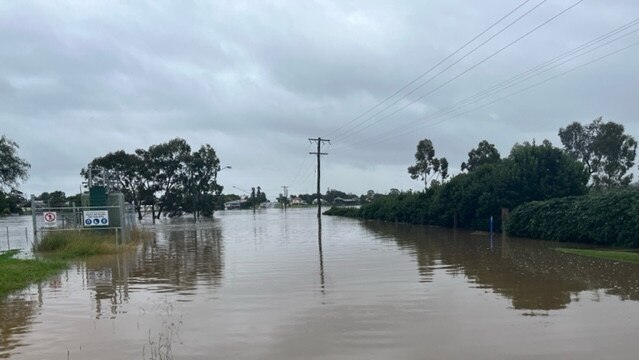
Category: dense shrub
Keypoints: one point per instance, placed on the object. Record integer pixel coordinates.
(603, 218)
(531, 172)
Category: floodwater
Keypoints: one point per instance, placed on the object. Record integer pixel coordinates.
(271, 286)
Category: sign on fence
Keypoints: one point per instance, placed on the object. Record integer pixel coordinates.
(50, 218)
(96, 218)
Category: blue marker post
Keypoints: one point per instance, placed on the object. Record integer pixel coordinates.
(491, 232)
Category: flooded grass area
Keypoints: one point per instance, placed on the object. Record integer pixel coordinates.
(627, 256)
(16, 274)
(278, 285)
(74, 244)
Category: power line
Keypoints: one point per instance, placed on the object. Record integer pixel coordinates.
(435, 76)
(528, 74)
(473, 66)
(519, 91)
(436, 65)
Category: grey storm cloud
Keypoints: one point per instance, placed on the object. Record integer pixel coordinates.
(255, 79)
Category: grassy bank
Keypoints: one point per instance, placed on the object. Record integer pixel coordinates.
(621, 256)
(16, 274)
(68, 245)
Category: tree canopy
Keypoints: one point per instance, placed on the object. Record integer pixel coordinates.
(168, 177)
(426, 163)
(605, 150)
(485, 153)
(12, 167)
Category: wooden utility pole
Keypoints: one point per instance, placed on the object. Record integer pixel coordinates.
(319, 142)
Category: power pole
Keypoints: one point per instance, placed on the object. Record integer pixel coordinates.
(319, 142)
(285, 194)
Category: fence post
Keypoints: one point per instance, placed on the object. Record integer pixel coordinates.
(33, 218)
(26, 236)
(8, 245)
(122, 218)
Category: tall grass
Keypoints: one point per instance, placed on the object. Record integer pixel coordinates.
(71, 244)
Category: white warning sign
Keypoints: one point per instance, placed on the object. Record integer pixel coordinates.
(96, 218)
(50, 218)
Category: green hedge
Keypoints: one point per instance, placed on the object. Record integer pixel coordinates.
(604, 218)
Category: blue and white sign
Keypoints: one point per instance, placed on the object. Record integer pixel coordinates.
(96, 218)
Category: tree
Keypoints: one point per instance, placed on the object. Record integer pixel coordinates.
(605, 150)
(426, 163)
(12, 167)
(202, 181)
(541, 172)
(485, 153)
(53, 199)
(167, 177)
(167, 171)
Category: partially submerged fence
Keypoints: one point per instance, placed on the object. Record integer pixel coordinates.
(115, 216)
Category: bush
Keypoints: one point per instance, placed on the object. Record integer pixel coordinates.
(604, 218)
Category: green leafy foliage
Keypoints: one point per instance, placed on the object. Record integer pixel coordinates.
(531, 172)
(485, 153)
(605, 150)
(602, 218)
(426, 163)
(168, 177)
(12, 167)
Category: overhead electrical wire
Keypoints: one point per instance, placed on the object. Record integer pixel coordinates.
(514, 93)
(434, 76)
(438, 64)
(495, 53)
(534, 71)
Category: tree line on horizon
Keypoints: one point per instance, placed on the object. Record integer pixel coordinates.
(605, 151)
(596, 156)
(171, 179)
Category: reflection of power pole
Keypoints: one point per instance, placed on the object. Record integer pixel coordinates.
(285, 194)
(319, 142)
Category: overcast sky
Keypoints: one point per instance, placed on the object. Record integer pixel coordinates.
(256, 79)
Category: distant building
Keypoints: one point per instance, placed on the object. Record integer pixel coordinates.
(297, 201)
(234, 204)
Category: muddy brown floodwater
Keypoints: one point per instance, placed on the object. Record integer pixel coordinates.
(271, 286)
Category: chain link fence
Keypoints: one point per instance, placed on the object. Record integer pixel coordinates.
(115, 216)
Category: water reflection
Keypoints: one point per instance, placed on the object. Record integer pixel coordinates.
(17, 314)
(321, 255)
(528, 272)
(181, 258)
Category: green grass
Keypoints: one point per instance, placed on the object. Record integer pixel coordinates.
(616, 255)
(69, 245)
(16, 274)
